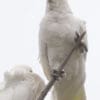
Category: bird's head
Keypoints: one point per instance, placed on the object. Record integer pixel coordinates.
(18, 73)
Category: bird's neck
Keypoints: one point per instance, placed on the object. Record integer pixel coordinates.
(60, 6)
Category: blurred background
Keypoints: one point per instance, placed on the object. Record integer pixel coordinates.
(19, 27)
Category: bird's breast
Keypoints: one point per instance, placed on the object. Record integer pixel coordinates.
(59, 34)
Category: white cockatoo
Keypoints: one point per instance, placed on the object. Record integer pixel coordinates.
(59, 31)
(21, 84)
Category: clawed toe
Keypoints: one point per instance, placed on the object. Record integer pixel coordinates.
(57, 74)
(82, 46)
(77, 36)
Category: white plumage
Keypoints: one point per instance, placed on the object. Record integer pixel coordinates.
(56, 39)
(21, 84)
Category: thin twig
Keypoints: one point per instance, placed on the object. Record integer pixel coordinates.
(53, 80)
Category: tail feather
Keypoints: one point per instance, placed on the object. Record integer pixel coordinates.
(79, 96)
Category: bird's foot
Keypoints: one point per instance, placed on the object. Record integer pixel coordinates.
(57, 75)
(82, 46)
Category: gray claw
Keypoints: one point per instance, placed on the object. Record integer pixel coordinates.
(82, 46)
(57, 74)
(77, 36)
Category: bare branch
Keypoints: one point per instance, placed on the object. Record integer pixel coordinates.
(53, 80)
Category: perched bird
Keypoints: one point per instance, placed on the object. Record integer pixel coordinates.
(21, 84)
(59, 32)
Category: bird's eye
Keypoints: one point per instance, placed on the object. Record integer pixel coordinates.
(31, 71)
